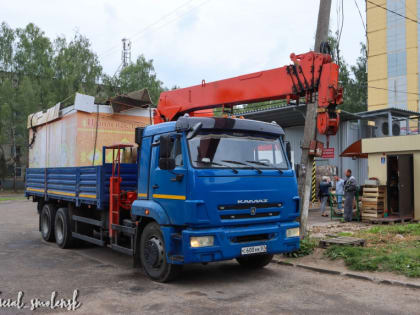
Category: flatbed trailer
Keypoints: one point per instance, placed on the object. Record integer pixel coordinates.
(84, 194)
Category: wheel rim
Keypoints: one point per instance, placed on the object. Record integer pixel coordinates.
(153, 253)
(45, 223)
(59, 230)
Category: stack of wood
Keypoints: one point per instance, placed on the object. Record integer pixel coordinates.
(373, 202)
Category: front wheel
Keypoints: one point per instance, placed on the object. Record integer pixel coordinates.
(255, 262)
(153, 255)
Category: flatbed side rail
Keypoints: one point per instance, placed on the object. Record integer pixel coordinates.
(82, 185)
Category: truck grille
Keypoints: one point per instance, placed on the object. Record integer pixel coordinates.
(249, 210)
(250, 238)
(248, 215)
(241, 206)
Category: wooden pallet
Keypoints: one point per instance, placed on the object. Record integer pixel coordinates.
(373, 205)
(342, 240)
(390, 220)
(374, 189)
(373, 194)
(373, 202)
(367, 211)
(372, 199)
(372, 215)
(370, 208)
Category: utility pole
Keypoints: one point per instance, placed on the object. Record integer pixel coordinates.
(305, 175)
(126, 53)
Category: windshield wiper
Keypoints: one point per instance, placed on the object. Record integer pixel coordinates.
(242, 163)
(218, 164)
(266, 164)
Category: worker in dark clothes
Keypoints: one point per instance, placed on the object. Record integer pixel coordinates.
(324, 192)
(350, 187)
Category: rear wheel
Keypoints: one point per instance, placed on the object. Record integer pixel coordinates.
(255, 262)
(63, 236)
(47, 222)
(153, 255)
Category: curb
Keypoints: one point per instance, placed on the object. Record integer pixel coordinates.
(332, 272)
(348, 274)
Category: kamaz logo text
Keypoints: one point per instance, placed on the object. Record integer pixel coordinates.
(253, 201)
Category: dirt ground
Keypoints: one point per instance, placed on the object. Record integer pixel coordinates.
(108, 284)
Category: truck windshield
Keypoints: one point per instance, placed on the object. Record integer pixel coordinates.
(236, 150)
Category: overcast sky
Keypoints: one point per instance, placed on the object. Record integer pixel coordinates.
(191, 40)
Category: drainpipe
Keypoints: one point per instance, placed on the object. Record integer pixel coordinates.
(389, 124)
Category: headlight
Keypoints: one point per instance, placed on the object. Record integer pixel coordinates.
(292, 232)
(201, 241)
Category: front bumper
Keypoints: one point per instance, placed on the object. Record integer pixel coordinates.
(228, 241)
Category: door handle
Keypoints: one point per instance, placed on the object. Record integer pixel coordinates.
(155, 186)
(177, 178)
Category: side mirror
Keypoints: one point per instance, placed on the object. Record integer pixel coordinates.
(165, 145)
(139, 135)
(196, 128)
(166, 164)
(165, 148)
(289, 151)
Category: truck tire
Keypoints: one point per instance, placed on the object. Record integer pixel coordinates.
(62, 230)
(255, 262)
(153, 255)
(47, 222)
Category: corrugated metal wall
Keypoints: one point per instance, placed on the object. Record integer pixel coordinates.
(349, 132)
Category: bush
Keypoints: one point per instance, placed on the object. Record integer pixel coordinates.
(307, 246)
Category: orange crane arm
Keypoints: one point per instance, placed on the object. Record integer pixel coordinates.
(310, 73)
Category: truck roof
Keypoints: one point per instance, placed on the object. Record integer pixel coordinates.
(215, 123)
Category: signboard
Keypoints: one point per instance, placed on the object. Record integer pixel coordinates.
(328, 153)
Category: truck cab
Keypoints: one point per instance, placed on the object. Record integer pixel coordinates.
(214, 189)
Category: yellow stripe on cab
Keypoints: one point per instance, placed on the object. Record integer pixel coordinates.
(176, 197)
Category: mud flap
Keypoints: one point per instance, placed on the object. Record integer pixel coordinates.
(136, 256)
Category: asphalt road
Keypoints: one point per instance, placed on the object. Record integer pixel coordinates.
(108, 284)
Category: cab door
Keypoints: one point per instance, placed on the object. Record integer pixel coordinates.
(169, 187)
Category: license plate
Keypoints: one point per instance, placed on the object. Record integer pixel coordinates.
(253, 250)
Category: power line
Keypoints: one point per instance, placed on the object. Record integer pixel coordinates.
(150, 25)
(279, 103)
(340, 8)
(142, 32)
(364, 26)
(389, 10)
(408, 8)
(178, 17)
(390, 90)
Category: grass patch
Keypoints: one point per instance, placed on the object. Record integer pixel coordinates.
(394, 248)
(345, 234)
(307, 247)
(12, 198)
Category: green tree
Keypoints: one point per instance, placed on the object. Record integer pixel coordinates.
(358, 89)
(76, 67)
(36, 73)
(136, 76)
(352, 78)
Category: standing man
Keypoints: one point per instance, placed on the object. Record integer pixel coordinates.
(339, 191)
(350, 187)
(324, 193)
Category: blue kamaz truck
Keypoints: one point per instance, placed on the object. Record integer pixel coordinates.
(203, 190)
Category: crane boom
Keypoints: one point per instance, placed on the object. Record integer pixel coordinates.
(310, 73)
